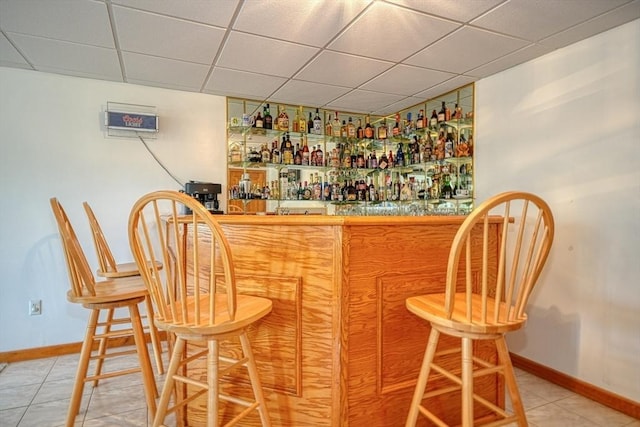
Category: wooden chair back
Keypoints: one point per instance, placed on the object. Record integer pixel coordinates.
(80, 275)
(526, 230)
(186, 293)
(106, 259)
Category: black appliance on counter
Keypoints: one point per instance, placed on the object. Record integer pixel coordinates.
(206, 193)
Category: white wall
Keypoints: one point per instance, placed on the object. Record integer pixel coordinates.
(567, 126)
(52, 143)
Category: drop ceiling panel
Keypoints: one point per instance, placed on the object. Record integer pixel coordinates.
(169, 73)
(214, 12)
(157, 35)
(263, 55)
(536, 19)
(307, 93)
(390, 33)
(618, 16)
(445, 87)
(406, 80)
(69, 58)
(341, 69)
(511, 60)
(315, 24)
(242, 84)
(9, 55)
(80, 21)
(363, 100)
(464, 50)
(455, 10)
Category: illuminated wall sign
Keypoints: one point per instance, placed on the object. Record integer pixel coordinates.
(132, 121)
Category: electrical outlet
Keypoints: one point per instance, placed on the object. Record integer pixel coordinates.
(35, 307)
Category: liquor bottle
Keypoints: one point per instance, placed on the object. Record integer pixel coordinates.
(383, 163)
(287, 153)
(442, 113)
(396, 127)
(408, 125)
(316, 188)
(350, 193)
(427, 148)
(346, 157)
(391, 161)
(368, 130)
(373, 162)
(258, 122)
(254, 155)
(372, 193)
(343, 130)
(302, 125)
(306, 156)
(275, 153)
(382, 130)
(446, 191)
(447, 114)
(335, 126)
(266, 154)
(420, 121)
(295, 128)
(361, 190)
(351, 129)
(319, 156)
(360, 161)
(268, 120)
(400, 156)
(297, 157)
(416, 151)
(449, 145)
(312, 156)
(317, 123)
(328, 127)
(433, 123)
(310, 124)
(283, 119)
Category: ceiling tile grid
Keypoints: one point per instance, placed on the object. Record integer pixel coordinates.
(363, 56)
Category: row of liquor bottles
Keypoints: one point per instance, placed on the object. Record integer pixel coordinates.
(332, 125)
(380, 188)
(348, 154)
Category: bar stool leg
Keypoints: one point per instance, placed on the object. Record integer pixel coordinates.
(155, 338)
(429, 352)
(467, 382)
(212, 383)
(510, 380)
(254, 377)
(167, 388)
(102, 348)
(83, 366)
(148, 379)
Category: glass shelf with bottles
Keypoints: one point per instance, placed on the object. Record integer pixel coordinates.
(336, 147)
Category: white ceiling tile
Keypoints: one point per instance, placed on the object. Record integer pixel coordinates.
(536, 19)
(263, 55)
(307, 93)
(315, 24)
(164, 72)
(151, 34)
(465, 49)
(390, 33)
(363, 101)
(445, 87)
(462, 11)
(406, 80)
(80, 21)
(213, 12)
(9, 54)
(61, 55)
(510, 60)
(621, 15)
(401, 105)
(342, 69)
(242, 84)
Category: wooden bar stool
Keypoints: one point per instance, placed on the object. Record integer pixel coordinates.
(483, 305)
(109, 268)
(97, 297)
(197, 304)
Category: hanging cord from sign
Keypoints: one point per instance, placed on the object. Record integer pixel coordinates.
(159, 162)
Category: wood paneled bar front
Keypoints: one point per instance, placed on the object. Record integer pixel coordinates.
(340, 348)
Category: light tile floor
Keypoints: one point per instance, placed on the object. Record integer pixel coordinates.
(36, 394)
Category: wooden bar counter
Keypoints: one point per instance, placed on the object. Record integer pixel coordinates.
(340, 348)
